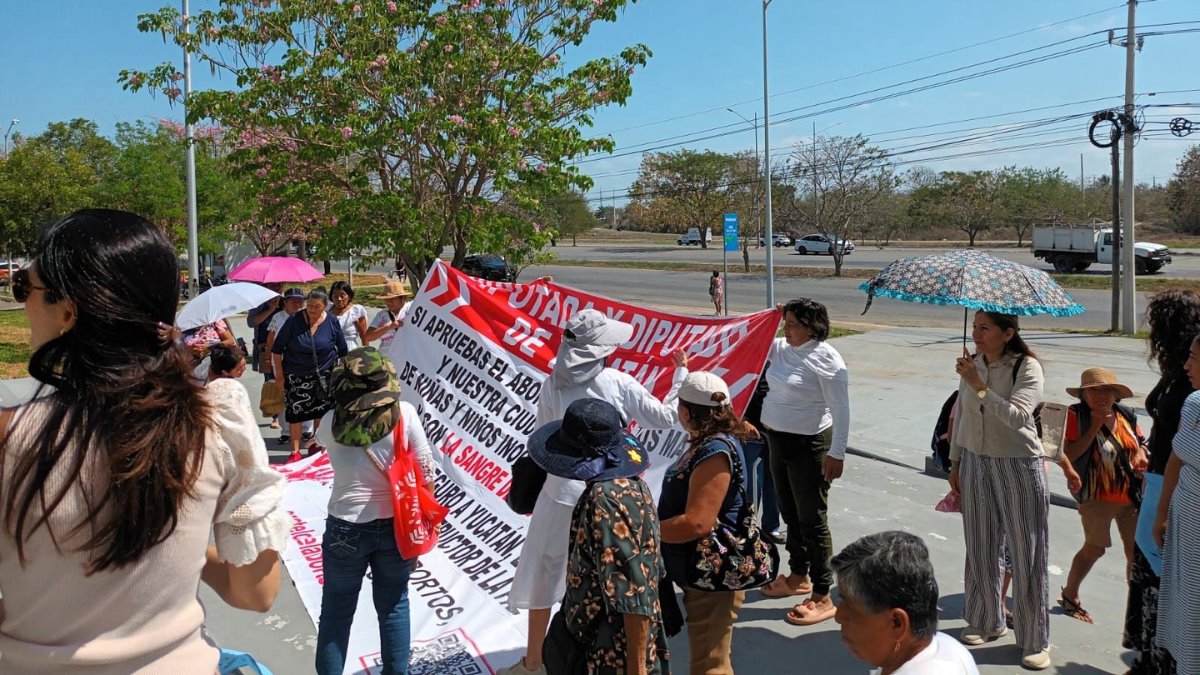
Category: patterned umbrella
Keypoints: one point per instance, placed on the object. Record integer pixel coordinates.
(974, 280)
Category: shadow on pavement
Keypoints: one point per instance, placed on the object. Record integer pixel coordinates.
(758, 650)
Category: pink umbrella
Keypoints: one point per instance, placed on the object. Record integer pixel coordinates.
(275, 269)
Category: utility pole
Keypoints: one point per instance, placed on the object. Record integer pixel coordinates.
(1116, 229)
(1129, 301)
(768, 234)
(190, 142)
(816, 200)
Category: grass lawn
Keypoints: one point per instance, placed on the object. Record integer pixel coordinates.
(14, 344)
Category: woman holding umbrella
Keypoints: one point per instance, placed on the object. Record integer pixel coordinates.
(305, 351)
(998, 469)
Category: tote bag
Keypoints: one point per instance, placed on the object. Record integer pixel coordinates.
(416, 511)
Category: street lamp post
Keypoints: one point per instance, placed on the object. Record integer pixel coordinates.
(11, 124)
(757, 161)
(190, 141)
(768, 235)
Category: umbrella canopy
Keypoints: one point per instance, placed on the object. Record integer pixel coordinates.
(974, 280)
(275, 269)
(219, 302)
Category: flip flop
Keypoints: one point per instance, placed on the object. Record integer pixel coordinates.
(1074, 610)
(807, 614)
(780, 588)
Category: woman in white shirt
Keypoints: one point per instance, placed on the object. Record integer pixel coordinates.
(889, 610)
(359, 532)
(807, 417)
(589, 338)
(352, 317)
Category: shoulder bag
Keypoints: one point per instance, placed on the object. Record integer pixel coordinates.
(417, 515)
(733, 558)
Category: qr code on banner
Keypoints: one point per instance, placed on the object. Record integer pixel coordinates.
(449, 654)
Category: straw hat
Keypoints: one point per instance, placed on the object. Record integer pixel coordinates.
(1099, 377)
(395, 288)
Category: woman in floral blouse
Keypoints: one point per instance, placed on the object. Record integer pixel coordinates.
(610, 614)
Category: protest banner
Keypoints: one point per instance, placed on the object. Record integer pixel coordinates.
(472, 357)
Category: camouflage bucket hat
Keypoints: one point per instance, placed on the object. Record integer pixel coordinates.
(366, 397)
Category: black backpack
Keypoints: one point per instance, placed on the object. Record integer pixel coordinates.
(1037, 409)
(940, 443)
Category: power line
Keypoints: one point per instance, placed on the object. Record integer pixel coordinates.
(870, 72)
(736, 127)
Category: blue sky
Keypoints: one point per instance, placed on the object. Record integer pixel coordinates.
(61, 58)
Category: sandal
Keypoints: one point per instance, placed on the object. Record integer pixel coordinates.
(1008, 618)
(808, 613)
(1073, 609)
(780, 588)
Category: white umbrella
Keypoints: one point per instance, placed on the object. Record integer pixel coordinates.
(219, 302)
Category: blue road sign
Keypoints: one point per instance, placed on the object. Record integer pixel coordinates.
(731, 232)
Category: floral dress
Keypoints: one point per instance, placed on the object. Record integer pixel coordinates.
(613, 568)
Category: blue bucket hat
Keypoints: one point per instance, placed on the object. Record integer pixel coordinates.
(589, 443)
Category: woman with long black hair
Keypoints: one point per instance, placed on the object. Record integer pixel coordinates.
(115, 476)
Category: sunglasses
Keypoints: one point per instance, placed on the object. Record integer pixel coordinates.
(22, 286)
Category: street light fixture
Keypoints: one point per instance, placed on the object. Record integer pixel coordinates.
(768, 235)
(11, 124)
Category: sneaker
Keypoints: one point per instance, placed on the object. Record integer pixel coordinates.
(1037, 660)
(975, 637)
(294, 457)
(520, 669)
(284, 439)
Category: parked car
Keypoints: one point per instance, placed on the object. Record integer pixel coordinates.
(776, 240)
(6, 268)
(819, 244)
(490, 267)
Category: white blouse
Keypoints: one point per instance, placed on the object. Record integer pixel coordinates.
(360, 492)
(349, 323)
(809, 392)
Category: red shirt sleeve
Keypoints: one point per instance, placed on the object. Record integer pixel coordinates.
(1072, 433)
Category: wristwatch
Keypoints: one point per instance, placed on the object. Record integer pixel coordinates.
(982, 393)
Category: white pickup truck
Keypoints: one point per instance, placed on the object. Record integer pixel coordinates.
(692, 238)
(1073, 248)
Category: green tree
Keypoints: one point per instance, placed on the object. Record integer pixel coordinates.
(678, 190)
(148, 177)
(967, 201)
(570, 216)
(433, 118)
(1030, 196)
(47, 176)
(1183, 192)
(845, 178)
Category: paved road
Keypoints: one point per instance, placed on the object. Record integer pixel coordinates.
(868, 257)
(841, 296)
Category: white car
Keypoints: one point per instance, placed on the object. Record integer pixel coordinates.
(819, 244)
(777, 240)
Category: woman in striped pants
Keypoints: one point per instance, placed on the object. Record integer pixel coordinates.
(999, 474)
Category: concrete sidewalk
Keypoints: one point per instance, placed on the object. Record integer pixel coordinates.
(899, 379)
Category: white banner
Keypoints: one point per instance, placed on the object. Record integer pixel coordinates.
(472, 357)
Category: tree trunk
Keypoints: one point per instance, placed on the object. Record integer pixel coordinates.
(746, 256)
(328, 267)
(838, 258)
(574, 240)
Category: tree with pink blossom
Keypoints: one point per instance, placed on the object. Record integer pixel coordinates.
(436, 121)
